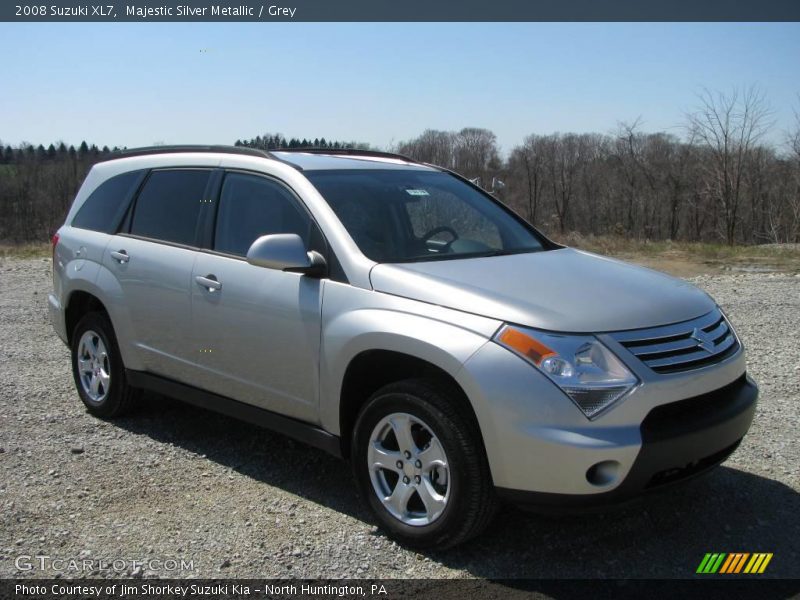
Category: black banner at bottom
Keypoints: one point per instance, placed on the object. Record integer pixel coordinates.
(393, 589)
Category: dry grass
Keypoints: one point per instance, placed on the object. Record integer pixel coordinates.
(679, 258)
(25, 250)
(689, 258)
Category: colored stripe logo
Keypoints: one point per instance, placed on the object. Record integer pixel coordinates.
(734, 563)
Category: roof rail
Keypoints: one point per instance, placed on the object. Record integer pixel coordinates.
(350, 152)
(190, 148)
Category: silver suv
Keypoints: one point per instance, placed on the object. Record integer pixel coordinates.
(395, 314)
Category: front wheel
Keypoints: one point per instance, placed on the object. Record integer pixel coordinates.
(420, 464)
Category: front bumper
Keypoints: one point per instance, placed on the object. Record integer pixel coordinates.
(679, 440)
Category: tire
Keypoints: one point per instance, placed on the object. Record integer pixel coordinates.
(452, 474)
(98, 370)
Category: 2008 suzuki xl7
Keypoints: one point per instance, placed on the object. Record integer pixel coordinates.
(392, 312)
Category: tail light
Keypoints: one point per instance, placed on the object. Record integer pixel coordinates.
(54, 242)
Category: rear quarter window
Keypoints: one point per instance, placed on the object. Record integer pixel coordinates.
(104, 208)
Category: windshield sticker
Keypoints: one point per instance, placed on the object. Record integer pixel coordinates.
(417, 193)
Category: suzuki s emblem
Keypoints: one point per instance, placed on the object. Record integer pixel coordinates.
(703, 340)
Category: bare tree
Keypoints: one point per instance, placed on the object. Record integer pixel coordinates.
(564, 155)
(476, 152)
(433, 146)
(729, 126)
(526, 162)
(793, 194)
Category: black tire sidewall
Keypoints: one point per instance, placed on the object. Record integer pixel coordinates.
(112, 403)
(381, 405)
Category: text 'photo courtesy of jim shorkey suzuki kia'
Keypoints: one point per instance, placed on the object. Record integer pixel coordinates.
(396, 315)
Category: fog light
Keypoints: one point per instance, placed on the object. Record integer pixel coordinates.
(603, 473)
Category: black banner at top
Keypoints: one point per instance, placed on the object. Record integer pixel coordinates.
(400, 10)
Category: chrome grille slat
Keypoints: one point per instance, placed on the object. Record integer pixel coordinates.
(690, 357)
(663, 348)
(719, 332)
(682, 346)
(677, 330)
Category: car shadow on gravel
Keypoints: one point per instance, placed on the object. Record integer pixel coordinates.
(664, 535)
(249, 450)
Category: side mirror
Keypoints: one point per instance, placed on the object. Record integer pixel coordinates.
(286, 252)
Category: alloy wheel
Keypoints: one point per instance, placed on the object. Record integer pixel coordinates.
(94, 366)
(409, 470)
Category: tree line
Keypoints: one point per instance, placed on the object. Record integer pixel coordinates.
(38, 184)
(277, 141)
(720, 181)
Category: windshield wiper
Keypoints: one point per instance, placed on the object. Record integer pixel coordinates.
(486, 254)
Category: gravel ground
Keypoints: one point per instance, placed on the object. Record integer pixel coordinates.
(172, 482)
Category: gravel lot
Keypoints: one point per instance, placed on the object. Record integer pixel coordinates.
(172, 482)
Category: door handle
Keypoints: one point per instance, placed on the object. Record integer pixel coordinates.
(209, 282)
(120, 256)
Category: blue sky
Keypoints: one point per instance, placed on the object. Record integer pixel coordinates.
(136, 84)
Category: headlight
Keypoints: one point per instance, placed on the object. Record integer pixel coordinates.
(588, 372)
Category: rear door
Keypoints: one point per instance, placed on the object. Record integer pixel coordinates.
(259, 328)
(152, 260)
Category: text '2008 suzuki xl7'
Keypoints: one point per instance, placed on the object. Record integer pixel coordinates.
(393, 313)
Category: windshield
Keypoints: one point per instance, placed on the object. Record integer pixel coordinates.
(404, 215)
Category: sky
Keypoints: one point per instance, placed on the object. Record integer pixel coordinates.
(133, 84)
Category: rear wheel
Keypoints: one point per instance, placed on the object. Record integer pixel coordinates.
(420, 464)
(97, 367)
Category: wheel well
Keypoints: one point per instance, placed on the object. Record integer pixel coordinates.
(373, 369)
(78, 305)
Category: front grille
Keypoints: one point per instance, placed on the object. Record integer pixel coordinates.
(682, 346)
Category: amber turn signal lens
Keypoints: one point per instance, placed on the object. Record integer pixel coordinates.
(525, 345)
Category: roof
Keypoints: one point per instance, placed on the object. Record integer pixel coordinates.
(303, 159)
(322, 161)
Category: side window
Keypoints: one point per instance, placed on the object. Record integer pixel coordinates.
(104, 208)
(252, 206)
(169, 205)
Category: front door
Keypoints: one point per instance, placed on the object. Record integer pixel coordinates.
(259, 329)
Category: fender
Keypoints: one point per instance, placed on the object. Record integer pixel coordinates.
(95, 279)
(356, 321)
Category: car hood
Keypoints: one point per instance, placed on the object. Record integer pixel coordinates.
(560, 290)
